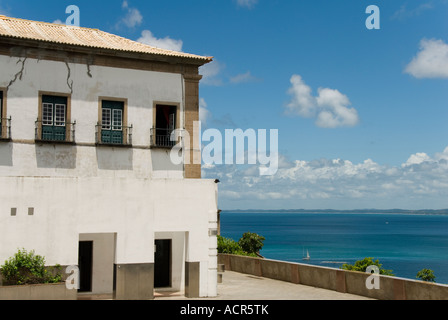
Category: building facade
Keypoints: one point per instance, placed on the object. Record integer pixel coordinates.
(85, 172)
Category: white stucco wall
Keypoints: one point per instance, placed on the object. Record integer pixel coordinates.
(84, 191)
(140, 88)
(136, 210)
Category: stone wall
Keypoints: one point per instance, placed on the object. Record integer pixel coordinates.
(352, 282)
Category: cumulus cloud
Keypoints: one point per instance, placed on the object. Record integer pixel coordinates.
(133, 16)
(422, 180)
(211, 73)
(204, 113)
(405, 13)
(330, 107)
(243, 78)
(247, 3)
(431, 61)
(163, 43)
(417, 158)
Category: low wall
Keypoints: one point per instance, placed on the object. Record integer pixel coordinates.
(353, 282)
(56, 291)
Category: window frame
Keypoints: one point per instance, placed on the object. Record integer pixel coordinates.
(54, 122)
(177, 124)
(110, 125)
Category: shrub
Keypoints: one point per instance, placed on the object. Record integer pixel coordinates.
(426, 275)
(361, 265)
(251, 242)
(28, 268)
(227, 245)
(230, 246)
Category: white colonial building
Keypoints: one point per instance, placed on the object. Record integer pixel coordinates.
(85, 172)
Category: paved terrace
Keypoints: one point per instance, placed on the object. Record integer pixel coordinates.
(239, 286)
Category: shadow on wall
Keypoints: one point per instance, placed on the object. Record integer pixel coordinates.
(161, 161)
(55, 156)
(6, 155)
(115, 158)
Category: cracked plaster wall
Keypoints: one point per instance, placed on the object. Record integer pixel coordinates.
(24, 78)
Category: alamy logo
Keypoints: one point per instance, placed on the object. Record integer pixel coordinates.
(72, 281)
(214, 149)
(74, 18)
(373, 21)
(373, 281)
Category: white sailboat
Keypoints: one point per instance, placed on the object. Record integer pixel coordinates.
(307, 255)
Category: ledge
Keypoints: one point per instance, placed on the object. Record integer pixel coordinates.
(113, 145)
(37, 141)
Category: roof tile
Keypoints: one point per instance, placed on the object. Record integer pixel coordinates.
(79, 36)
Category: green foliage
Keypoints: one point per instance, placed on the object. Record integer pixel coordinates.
(251, 242)
(426, 275)
(230, 246)
(28, 268)
(361, 265)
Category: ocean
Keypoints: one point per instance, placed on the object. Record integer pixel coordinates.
(403, 243)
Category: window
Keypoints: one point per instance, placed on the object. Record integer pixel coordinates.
(112, 127)
(54, 118)
(165, 123)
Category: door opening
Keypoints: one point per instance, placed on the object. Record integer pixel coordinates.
(162, 264)
(85, 263)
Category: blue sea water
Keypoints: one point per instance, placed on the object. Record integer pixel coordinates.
(403, 243)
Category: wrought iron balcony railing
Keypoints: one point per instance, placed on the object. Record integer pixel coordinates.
(162, 138)
(60, 133)
(119, 136)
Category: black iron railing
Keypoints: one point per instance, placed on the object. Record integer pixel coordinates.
(164, 138)
(113, 136)
(63, 132)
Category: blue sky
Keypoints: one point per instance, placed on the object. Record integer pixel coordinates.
(362, 114)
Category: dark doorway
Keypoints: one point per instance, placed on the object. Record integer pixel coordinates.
(85, 260)
(162, 264)
(165, 125)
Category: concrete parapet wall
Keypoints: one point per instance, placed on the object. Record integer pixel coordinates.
(38, 292)
(353, 282)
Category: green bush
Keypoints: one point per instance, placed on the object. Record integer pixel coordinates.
(230, 246)
(251, 242)
(361, 265)
(28, 268)
(426, 275)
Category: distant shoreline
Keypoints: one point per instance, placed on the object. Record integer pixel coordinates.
(358, 211)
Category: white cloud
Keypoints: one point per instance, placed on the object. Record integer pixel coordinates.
(211, 73)
(58, 21)
(133, 16)
(243, 78)
(247, 3)
(431, 61)
(204, 113)
(420, 181)
(404, 12)
(164, 43)
(417, 158)
(329, 107)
